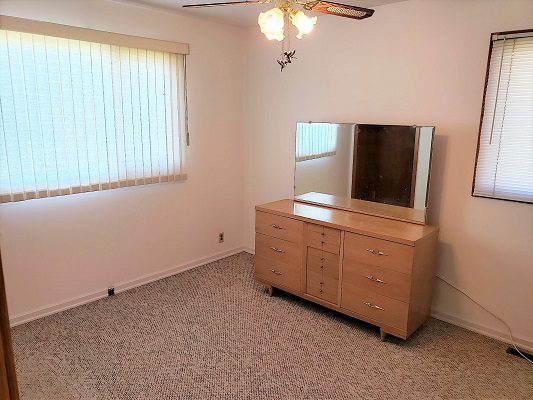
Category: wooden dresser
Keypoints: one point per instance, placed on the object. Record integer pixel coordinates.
(372, 268)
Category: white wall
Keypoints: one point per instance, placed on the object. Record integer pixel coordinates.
(415, 62)
(58, 249)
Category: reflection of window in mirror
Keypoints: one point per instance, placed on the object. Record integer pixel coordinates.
(324, 158)
(315, 141)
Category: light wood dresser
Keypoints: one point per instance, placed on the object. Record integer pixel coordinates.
(372, 268)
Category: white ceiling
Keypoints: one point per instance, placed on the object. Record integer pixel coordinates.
(244, 15)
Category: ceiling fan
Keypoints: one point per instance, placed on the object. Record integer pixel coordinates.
(273, 21)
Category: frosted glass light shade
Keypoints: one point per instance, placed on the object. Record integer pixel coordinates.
(271, 24)
(303, 23)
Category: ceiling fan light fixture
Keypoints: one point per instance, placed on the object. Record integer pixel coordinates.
(271, 24)
(303, 23)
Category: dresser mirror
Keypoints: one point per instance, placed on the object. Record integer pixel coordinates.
(372, 169)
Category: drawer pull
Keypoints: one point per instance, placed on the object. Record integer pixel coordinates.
(368, 304)
(276, 249)
(276, 226)
(374, 279)
(376, 252)
(276, 272)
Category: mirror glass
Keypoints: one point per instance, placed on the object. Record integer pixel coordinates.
(385, 164)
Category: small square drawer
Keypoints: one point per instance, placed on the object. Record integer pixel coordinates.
(323, 287)
(323, 262)
(380, 309)
(279, 227)
(371, 251)
(322, 238)
(385, 282)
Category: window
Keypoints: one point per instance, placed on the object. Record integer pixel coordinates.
(315, 140)
(504, 165)
(78, 116)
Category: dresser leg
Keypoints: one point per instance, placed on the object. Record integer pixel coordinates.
(383, 334)
(270, 290)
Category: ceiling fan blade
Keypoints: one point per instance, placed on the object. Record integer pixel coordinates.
(227, 3)
(341, 10)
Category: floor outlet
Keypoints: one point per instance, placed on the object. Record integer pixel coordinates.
(111, 291)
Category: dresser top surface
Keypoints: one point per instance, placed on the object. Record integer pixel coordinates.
(389, 211)
(379, 227)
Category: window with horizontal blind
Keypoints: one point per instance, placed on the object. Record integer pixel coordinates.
(315, 140)
(504, 165)
(78, 116)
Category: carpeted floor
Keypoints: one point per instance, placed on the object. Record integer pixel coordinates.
(212, 333)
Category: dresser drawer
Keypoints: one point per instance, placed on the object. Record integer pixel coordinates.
(379, 280)
(372, 251)
(277, 249)
(327, 239)
(323, 287)
(322, 261)
(379, 308)
(279, 227)
(278, 273)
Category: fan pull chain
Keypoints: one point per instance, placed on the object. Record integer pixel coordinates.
(287, 55)
(287, 24)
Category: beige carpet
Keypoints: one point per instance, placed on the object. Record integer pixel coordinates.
(211, 333)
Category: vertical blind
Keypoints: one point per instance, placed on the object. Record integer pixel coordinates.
(79, 116)
(315, 140)
(504, 167)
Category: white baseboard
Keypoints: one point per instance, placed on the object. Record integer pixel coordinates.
(58, 307)
(249, 250)
(501, 335)
(120, 287)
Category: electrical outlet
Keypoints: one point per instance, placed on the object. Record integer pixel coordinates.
(221, 237)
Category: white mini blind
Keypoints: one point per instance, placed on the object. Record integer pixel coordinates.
(79, 116)
(504, 167)
(315, 140)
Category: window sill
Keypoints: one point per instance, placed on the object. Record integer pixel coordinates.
(21, 196)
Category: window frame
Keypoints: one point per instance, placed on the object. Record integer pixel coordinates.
(90, 35)
(487, 71)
